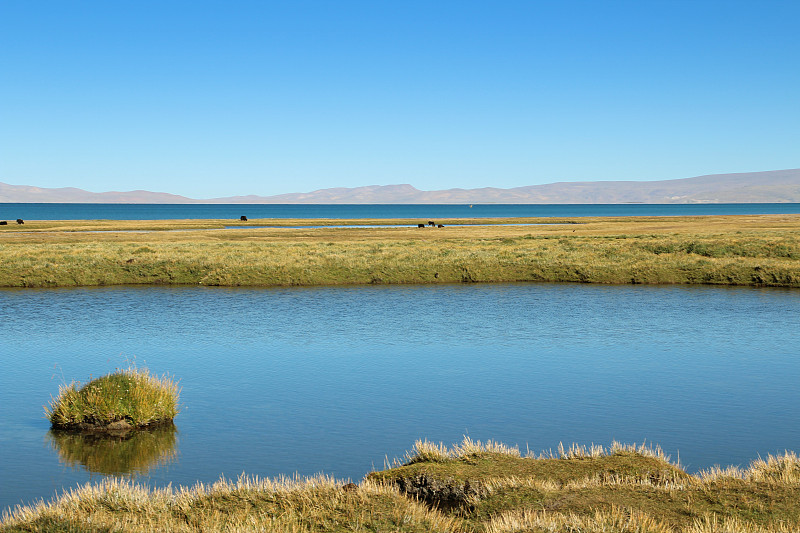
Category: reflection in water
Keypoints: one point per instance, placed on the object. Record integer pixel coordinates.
(128, 452)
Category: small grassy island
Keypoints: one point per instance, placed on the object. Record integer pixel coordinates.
(469, 488)
(120, 401)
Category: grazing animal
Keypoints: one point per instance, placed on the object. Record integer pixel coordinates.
(243, 218)
(20, 221)
(440, 226)
(431, 223)
(3, 223)
(420, 225)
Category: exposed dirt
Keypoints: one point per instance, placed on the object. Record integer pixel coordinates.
(117, 428)
(444, 494)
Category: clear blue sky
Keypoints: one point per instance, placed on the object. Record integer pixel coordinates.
(209, 99)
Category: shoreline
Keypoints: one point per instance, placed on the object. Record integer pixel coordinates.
(469, 487)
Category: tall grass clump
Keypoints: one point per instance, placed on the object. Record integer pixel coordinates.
(781, 468)
(425, 451)
(129, 398)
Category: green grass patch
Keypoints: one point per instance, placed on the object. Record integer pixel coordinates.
(130, 398)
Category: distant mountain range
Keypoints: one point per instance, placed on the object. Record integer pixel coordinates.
(771, 186)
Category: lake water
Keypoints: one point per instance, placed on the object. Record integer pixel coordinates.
(55, 211)
(307, 380)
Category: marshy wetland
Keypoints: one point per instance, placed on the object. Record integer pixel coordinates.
(341, 376)
(761, 250)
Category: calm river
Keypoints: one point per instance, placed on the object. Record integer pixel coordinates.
(307, 380)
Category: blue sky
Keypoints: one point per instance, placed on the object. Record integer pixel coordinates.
(210, 99)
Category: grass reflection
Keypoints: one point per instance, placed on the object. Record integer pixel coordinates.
(126, 452)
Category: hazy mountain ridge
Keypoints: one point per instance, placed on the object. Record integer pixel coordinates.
(26, 193)
(771, 186)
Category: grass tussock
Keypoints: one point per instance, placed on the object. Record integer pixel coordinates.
(581, 451)
(426, 451)
(783, 469)
(736, 250)
(126, 398)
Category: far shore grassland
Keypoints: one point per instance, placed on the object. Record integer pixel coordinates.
(760, 250)
(471, 487)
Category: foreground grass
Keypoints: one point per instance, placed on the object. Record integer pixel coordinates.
(317, 504)
(729, 250)
(471, 487)
(125, 399)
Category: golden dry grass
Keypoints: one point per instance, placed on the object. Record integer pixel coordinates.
(619, 520)
(426, 451)
(318, 504)
(614, 521)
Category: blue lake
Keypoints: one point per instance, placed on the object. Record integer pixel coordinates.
(334, 380)
(62, 211)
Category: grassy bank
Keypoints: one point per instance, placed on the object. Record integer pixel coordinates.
(621, 488)
(730, 250)
(471, 487)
